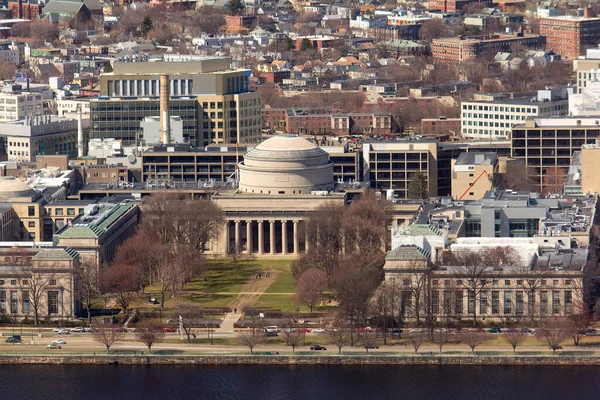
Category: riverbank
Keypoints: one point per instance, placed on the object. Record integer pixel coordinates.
(424, 359)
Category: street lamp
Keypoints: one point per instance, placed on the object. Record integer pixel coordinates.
(297, 311)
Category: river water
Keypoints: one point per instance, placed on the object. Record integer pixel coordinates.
(371, 382)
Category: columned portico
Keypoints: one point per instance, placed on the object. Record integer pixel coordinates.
(261, 238)
(296, 238)
(284, 237)
(272, 237)
(248, 237)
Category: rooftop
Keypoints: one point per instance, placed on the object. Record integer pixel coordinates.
(485, 158)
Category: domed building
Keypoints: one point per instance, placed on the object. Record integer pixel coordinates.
(13, 190)
(286, 165)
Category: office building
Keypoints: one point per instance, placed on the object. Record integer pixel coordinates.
(468, 48)
(568, 35)
(473, 174)
(492, 116)
(547, 143)
(18, 105)
(585, 66)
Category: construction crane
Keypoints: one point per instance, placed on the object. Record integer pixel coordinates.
(474, 182)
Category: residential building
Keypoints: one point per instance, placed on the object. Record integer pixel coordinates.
(492, 116)
(474, 174)
(18, 105)
(568, 35)
(9, 54)
(547, 143)
(587, 66)
(454, 5)
(468, 48)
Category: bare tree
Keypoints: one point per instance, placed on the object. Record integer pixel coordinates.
(553, 180)
(293, 337)
(577, 325)
(252, 338)
(440, 337)
(339, 333)
(514, 337)
(310, 287)
(555, 331)
(416, 340)
(190, 318)
(34, 282)
(121, 282)
(107, 334)
(149, 333)
(473, 339)
(87, 289)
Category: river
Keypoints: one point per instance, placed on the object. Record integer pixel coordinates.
(297, 382)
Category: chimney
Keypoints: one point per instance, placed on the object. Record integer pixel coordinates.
(165, 118)
(20, 9)
(587, 12)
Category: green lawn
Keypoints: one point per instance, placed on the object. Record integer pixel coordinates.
(285, 283)
(283, 302)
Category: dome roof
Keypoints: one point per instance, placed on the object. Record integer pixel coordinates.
(11, 187)
(287, 147)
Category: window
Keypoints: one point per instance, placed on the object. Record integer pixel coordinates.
(519, 282)
(52, 302)
(470, 302)
(555, 302)
(25, 282)
(26, 303)
(59, 211)
(555, 282)
(544, 302)
(483, 303)
(459, 283)
(495, 302)
(14, 302)
(507, 303)
(567, 281)
(13, 282)
(52, 282)
(495, 282)
(507, 282)
(31, 211)
(458, 302)
(2, 282)
(406, 282)
(519, 300)
(568, 302)
(446, 283)
(3, 301)
(70, 211)
(543, 281)
(435, 302)
(435, 282)
(31, 224)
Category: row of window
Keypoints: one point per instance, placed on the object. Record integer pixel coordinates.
(53, 302)
(507, 282)
(24, 282)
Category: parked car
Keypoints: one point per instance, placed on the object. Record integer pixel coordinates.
(59, 341)
(14, 339)
(271, 334)
(53, 346)
(318, 330)
(317, 347)
(371, 346)
(396, 330)
(416, 330)
(57, 329)
(495, 330)
(88, 330)
(555, 347)
(169, 329)
(510, 330)
(592, 332)
(77, 329)
(63, 332)
(365, 329)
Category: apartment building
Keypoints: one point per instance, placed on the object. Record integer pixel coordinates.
(468, 48)
(18, 105)
(546, 143)
(227, 111)
(567, 35)
(492, 116)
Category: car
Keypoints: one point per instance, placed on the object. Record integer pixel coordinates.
(169, 329)
(365, 329)
(370, 346)
(592, 332)
(59, 341)
(14, 339)
(64, 332)
(510, 330)
(271, 334)
(396, 330)
(317, 347)
(88, 330)
(416, 330)
(318, 330)
(495, 330)
(440, 330)
(57, 329)
(555, 347)
(54, 346)
(77, 329)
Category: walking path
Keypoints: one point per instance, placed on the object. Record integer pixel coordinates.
(249, 294)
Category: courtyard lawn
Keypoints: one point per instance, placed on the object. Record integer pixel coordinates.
(283, 302)
(285, 283)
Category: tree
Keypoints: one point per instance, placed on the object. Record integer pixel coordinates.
(339, 332)
(190, 317)
(87, 288)
(149, 333)
(310, 287)
(107, 334)
(418, 188)
(554, 331)
(293, 337)
(514, 337)
(7, 71)
(34, 282)
(44, 31)
(121, 281)
(473, 339)
(416, 340)
(252, 338)
(553, 180)
(305, 44)
(578, 323)
(440, 337)
(146, 26)
(236, 6)
(433, 29)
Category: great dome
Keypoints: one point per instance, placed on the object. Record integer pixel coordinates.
(286, 164)
(12, 188)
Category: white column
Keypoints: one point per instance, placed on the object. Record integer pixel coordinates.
(306, 241)
(249, 237)
(237, 237)
(272, 237)
(296, 239)
(284, 238)
(261, 238)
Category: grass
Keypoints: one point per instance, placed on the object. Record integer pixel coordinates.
(283, 302)
(285, 283)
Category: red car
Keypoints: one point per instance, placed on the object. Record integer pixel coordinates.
(169, 329)
(317, 347)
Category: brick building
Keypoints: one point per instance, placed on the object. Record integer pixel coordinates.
(31, 10)
(402, 32)
(569, 35)
(454, 5)
(242, 21)
(275, 76)
(316, 42)
(440, 126)
(466, 48)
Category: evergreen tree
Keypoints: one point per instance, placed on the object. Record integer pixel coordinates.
(305, 44)
(417, 189)
(146, 26)
(236, 6)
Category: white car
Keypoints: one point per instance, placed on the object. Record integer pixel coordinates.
(53, 346)
(59, 341)
(57, 329)
(318, 330)
(77, 329)
(63, 332)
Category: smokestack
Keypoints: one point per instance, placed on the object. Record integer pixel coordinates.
(79, 132)
(165, 118)
(20, 9)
